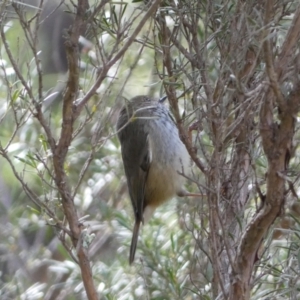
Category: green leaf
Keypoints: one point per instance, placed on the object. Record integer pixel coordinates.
(15, 96)
(29, 160)
(123, 10)
(33, 210)
(43, 141)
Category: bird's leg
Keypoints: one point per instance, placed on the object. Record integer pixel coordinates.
(184, 193)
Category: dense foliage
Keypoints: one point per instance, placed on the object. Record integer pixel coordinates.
(230, 70)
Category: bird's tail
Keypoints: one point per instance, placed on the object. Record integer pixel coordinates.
(134, 240)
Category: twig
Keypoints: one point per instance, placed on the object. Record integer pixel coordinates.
(171, 93)
(106, 66)
(292, 38)
(268, 55)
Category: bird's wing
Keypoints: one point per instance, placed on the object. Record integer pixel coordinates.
(137, 156)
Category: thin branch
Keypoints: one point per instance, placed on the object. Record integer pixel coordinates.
(171, 93)
(61, 149)
(289, 44)
(82, 172)
(105, 68)
(34, 198)
(39, 114)
(15, 66)
(268, 55)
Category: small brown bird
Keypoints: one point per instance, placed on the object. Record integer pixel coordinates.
(153, 157)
